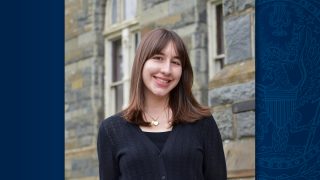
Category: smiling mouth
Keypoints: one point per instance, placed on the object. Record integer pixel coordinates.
(161, 80)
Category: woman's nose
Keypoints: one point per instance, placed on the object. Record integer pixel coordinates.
(166, 67)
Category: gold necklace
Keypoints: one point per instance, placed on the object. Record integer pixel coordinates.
(155, 121)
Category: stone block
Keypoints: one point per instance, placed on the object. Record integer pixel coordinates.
(243, 106)
(199, 56)
(86, 141)
(187, 17)
(199, 40)
(147, 4)
(84, 167)
(244, 4)
(75, 81)
(78, 49)
(187, 41)
(67, 168)
(169, 20)
(236, 73)
(70, 143)
(80, 126)
(238, 38)
(78, 82)
(203, 17)
(78, 18)
(175, 6)
(85, 178)
(81, 164)
(146, 28)
(186, 30)
(83, 129)
(81, 107)
(80, 116)
(223, 119)
(76, 95)
(153, 11)
(70, 22)
(69, 124)
(245, 122)
(201, 95)
(240, 158)
(228, 7)
(178, 20)
(231, 94)
(87, 39)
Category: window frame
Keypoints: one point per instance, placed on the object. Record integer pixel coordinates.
(120, 14)
(125, 30)
(214, 57)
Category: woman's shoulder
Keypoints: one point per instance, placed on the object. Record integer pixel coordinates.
(114, 121)
(207, 122)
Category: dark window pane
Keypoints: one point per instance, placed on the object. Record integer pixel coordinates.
(114, 11)
(117, 67)
(219, 20)
(220, 63)
(130, 7)
(119, 97)
(136, 40)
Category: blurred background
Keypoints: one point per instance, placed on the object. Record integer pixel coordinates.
(100, 41)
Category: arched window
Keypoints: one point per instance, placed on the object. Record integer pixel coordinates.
(122, 34)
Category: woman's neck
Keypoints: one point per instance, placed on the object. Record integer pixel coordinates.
(156, 104)
(157, 110)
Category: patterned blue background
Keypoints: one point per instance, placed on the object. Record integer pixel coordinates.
(288, 89)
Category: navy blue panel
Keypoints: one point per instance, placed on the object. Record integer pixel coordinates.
(33, 121)
(288, 89)
(9, 89)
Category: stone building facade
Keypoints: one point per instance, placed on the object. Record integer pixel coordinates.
(100, 40)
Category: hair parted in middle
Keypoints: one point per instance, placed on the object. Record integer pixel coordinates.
(184, 106)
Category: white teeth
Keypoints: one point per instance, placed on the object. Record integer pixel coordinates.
(163, 81)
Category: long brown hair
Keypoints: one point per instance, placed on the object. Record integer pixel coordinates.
(184, 106)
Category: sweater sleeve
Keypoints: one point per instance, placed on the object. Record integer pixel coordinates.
(108, 168)
(214, 160)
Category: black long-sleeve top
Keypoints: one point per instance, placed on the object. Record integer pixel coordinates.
(192, 151)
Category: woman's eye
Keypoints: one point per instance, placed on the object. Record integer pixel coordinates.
(157, 57)
(176, 62)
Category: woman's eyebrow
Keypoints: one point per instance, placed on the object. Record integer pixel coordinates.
(161, 53)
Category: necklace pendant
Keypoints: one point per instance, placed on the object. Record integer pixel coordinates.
(155, 123)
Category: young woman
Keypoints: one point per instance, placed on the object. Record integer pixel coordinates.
(164, 133)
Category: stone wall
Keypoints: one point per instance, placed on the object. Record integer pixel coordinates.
(84, 55)
(232, 90)
(231, 93)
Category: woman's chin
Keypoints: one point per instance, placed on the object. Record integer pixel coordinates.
(160, 94)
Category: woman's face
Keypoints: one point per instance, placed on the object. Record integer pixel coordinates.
(161, 73)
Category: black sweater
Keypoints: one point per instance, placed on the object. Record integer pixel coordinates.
(158, 138)
(192, 151)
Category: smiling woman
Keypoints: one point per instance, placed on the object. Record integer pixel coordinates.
(162, 72)
(164, 133)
